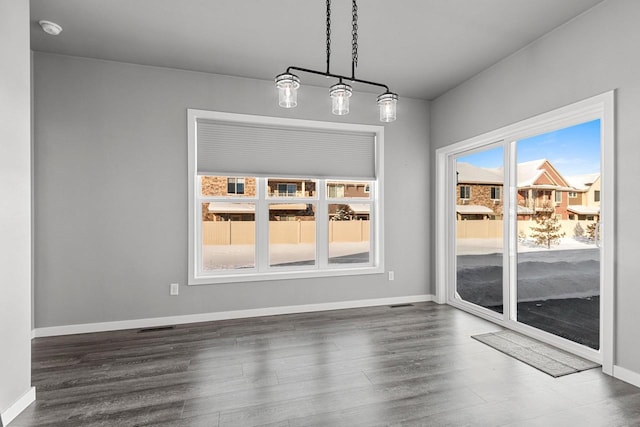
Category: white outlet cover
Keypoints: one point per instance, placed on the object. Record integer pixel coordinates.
(173, 289)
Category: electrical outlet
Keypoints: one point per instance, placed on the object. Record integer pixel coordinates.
(392, 276)
(174, 289)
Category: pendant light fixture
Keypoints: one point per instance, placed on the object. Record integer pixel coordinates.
(288, 83)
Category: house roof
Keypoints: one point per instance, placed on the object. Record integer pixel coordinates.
(529, 172)
(360, 208)
(582, 182)
(228, 207)
(528, 175)
(474, 210)
(287, 207)
(523, 210)
(470, 174)
(584, 210)
(225, 207)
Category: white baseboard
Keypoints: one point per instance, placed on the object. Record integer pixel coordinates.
(222, 315)
(626, 375)
(20, 405)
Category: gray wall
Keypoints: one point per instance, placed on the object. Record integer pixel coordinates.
(594, 53)
(111, 193)
(15, 203)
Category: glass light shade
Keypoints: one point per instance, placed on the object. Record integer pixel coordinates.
(340, 94)
(287, 85)
(387, 104)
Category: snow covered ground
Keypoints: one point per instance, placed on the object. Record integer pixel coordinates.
(242, 256)
(490, 246)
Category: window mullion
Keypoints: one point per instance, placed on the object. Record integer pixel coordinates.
(322, 226)
(262, 226)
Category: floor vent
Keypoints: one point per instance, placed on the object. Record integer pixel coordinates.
(159, 328)
(400, 305)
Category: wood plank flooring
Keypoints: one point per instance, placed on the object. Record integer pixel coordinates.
(413, 365)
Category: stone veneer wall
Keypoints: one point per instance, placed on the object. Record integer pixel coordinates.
(217, 186)
(481, 195)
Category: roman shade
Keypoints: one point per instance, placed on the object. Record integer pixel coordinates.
(237, 148)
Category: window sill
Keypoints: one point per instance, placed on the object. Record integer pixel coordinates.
(283, 275)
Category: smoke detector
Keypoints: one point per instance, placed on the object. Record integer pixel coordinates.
(50, 27)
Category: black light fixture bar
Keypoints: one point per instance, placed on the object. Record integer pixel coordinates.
(336, 76)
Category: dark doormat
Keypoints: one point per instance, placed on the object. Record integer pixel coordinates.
(541, 356)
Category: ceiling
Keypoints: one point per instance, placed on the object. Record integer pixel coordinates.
(419, 48)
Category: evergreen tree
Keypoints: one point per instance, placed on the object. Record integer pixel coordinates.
(591, 231)
(547, 230)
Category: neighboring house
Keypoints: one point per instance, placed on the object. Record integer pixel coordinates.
(223, 186)
(348, 189)
(280, 187)
(541, 189)
(584, 201)
(479, 192)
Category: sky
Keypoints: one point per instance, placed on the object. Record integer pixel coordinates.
(572, 151)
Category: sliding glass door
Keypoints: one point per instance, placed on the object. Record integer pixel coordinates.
(479, 228)
(558, 211)
(524, 228)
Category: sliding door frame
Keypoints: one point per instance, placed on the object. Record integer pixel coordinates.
(598, 107)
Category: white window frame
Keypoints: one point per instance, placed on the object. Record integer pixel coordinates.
(263, 271)
(237, 179)
(338, 188)
(494, 189)
(573, 194)
(467, 193)
(558, 193)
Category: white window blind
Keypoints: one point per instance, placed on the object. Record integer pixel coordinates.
(264, 150)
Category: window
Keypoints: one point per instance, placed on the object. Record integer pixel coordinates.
(285, 187)
(257, 214)
(465, 192)
(558, 196)
(495, 193)
(573, 194)
(235, 185)
(287, 190)
(596, 195)
(228, 231)
(335, 190)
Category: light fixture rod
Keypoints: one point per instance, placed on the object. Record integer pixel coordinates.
(328, 35)
(354, 38)
(337, 76)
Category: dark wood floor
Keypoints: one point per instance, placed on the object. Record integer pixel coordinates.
(374, 366)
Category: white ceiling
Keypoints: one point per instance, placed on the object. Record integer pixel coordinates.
(420, 48)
